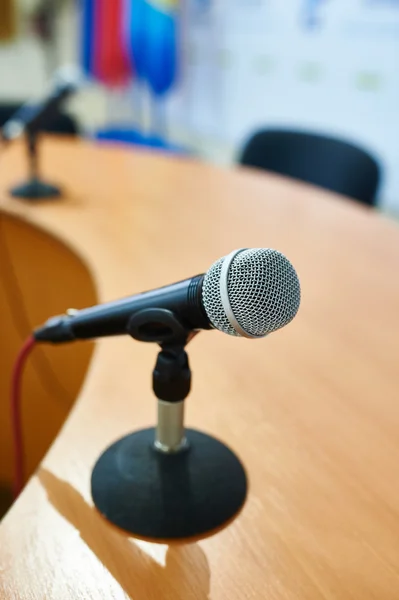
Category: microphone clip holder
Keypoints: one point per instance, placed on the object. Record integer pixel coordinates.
(167, 482)
(171, 377)
(171, 382)
(35, 188)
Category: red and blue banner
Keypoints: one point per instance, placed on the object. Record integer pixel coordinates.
(125, 37)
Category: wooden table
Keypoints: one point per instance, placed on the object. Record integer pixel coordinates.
(313, 410)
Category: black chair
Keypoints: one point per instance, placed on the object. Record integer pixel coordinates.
(327, 162)
(62, 124)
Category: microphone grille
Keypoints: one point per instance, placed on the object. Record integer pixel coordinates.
(261, 289)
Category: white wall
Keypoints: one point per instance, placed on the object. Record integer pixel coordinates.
(256, 63)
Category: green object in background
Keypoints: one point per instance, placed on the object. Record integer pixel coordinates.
(368, 81)
(264, 64)
(225, 58)
(310, 72)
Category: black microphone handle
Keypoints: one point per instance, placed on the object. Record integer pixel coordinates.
(33, 116)
(184, 299)
(48, 111)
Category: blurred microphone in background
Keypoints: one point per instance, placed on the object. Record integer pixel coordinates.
(33, 116)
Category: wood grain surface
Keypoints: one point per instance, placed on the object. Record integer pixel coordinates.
(312, 410)
(38, 275)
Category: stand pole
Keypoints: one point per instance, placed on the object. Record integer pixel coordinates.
(170, 436)
(31, 140)
(34, 188)
(171, 382)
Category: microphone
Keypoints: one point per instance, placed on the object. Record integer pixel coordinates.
(248, 293)
(32, 116)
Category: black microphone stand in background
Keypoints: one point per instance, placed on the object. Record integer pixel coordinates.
(34, 188)
(168, 482)
(32, 118)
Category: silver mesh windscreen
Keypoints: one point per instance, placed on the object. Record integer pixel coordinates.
(263, 292)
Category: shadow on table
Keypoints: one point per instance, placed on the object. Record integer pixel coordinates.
(186, 572)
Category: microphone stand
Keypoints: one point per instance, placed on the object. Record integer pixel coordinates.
(168, 482)
(171, 382)
(34, 188)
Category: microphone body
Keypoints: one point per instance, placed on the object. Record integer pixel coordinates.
(248, 293)
(112, 318)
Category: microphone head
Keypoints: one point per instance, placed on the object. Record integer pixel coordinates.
(251, 292)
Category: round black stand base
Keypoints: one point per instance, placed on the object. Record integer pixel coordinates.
(168, 496)
(35, 190)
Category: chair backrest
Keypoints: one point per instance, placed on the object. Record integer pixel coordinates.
(327, 162)
(62, 124)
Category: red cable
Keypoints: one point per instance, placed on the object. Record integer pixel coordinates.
(16, 424)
